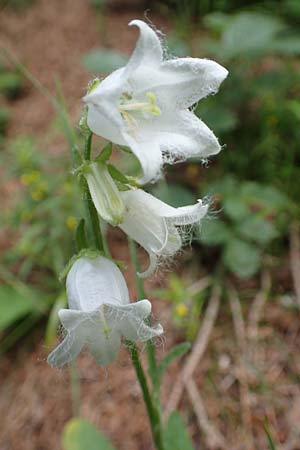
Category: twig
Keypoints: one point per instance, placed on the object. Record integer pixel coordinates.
(295, 258)
(197, 351)
(258, 305)
(213, 437)
(240, 332)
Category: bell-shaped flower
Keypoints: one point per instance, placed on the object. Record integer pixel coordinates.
(100, 313)
(159, 228)
(104, 193)
(146, 105)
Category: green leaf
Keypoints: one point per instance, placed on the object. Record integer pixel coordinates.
(249, 34)
(175, 352)
(241, 258)
(289, 45)
(177, 46)
(105, 154)
(214, 232)
(16, 303)
(175, 434)
(257, 229)
(219, 118)
(103, 60)
(269, 438)
(174, 194)
(236, 208)
(79, 434)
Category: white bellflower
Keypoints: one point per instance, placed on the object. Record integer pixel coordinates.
(146, 105)
(100, 313)
(158, 227)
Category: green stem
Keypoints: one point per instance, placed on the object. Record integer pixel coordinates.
(142, 295)
(152, 409)
(91, 211)
(150, 348)
(153, 413)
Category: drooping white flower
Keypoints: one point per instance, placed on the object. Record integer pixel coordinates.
(159, 228)
(145, 105)
(104, 193)
(99, 313)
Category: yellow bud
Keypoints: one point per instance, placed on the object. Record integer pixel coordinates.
(71, 222)
(30, 177)
(181, 310)
(37, 195)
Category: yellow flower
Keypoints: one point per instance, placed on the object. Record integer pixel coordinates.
(30, 177)
(181, 310)
(71, 222)
(37, 195)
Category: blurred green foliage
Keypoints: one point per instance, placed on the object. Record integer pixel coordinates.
(40, 217)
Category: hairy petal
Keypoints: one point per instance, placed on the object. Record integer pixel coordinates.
(148, 50)
(67, 350)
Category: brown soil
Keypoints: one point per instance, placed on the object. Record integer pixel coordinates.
(49, 38)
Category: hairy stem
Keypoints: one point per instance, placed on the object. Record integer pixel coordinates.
(153, 413)
(152, 364)
(91, 211)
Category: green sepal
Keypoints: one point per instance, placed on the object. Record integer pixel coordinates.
(120, 177)
(93, 85)
(117, 175)
(82, 169)
(89, 253)
(125, 149)
(80, 236)
(105, 154)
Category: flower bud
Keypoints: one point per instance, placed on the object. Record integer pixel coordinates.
(104, 193)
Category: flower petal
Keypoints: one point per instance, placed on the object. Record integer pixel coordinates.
(148, 50)
(67, 350)
(92, 282)
(104, 350)
(101, 124)
(190, 138)
(187, 215)
(189, 80)
(130, 320)
(149, 155)
(153, 263)
(141, 221)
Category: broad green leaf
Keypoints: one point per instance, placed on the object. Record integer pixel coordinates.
(15, 304)
(79, 434)
(219, 118)
(103, 61)
(235, 208)
(241, 258)
(289, 45)
(257, 229)
(217, 21)
(214, 232)
(174, 194)
(249, 34)
(175, 352)
(175, 434)
(177, 46)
